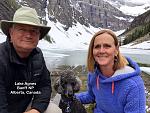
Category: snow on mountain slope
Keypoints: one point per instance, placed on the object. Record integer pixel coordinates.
(131, 7)
(76, 37)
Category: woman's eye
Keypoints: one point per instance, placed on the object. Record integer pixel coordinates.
(107, 46)
(104, 46)
(97, 46)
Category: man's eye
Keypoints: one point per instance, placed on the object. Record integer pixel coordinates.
(34, 31)
(21, 29)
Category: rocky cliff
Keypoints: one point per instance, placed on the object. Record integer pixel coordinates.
(140, 20)
(64, 12)
(101, 14)
(139, 29)
(7, 9)
(95, 12)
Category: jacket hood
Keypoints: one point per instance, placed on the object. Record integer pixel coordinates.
(128, 71)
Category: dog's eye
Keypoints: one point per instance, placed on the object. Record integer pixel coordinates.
(63, 84)
(73, 84)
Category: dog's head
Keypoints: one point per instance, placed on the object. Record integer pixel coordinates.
(67, 84)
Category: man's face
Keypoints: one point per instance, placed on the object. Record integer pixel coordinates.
(24, 38)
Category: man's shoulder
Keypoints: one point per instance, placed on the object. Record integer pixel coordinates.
(3, 49)
(2, 45)
(3, 53)
(38, 55)
(36, 52)
(38, 49)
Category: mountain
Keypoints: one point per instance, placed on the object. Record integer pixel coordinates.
(139, 29)
(97, 13)
(7, 9)
(140, 20)
(131, 7)
(72, 15)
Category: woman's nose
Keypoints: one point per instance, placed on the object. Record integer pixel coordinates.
(101, 49)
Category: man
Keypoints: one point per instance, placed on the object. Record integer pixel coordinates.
(24, 77)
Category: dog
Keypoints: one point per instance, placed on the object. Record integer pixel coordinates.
(67, 85)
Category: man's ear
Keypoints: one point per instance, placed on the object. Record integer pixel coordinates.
(10, 32)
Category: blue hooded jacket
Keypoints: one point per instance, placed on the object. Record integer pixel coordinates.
(124, 92)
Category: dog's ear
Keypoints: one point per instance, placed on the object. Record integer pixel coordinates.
(78, 84)
(60, 90)
(76, 87)
(58, 87)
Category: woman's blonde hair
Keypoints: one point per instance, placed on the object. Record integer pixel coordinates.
(120, 60)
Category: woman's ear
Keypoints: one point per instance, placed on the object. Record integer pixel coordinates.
(117, 50)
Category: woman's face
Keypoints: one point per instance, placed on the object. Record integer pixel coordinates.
(104, 50)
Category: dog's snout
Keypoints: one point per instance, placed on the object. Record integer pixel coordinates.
(69, 90)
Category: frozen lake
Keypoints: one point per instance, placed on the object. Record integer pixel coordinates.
(55, 58)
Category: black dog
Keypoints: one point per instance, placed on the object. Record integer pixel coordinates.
(67, 85)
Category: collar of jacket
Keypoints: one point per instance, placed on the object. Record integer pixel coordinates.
(14, 57)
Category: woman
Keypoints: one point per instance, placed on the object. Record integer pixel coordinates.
(114, 82)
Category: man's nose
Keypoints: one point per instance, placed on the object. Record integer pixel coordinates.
(28, 34)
